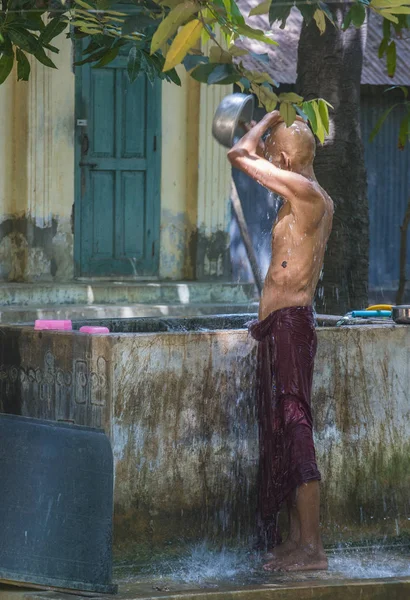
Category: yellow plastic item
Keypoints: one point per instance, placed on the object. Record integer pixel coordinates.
(380, 307)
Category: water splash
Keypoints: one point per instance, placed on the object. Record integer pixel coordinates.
(203, 566)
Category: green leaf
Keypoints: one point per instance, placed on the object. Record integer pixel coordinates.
(389, 16)
(228, 8)
(404, 132)
(320, 129)
(301, 113)
(237, 16)
(263, 58)
(347, 20)
(34, 22)
(310, 113)
(279, 11)
(202, 73)
(323, 6)
(173, 76)
(84, 5)
(261, 9)
(380, 122)
(236, 51)
(150, 66)
(401, 10)
(221, 73)
(255, 34)
(290, 97)
(169, 26)
(193, 60)
(383, 47)
(42, 57)
(267, 97)
(92, 57)
(358, 14)
(23, 66)
(133, 64)
(260, 77)
(217, 55)
(23, 39)
(137, 22)
(324, 114)
(288, 113)
(6, 65)
(307, 10)
(244, 84)
(386, 29)
(183, 42)
(108, 57)
(54, 28)
(391, 58)
(319, 17)
(52, 48)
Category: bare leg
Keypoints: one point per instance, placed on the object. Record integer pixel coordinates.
(292, 541)
(308, 554)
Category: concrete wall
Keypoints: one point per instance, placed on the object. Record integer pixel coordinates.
(36, 183)
(179, 408)
(37, 178)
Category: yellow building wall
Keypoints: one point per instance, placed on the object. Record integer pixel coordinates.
(37, 176)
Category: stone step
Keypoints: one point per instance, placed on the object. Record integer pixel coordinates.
(28, 314)
(394, 588)
(125, 293)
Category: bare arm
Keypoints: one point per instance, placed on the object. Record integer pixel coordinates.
(246, 156)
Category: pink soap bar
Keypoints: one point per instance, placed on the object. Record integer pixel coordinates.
(55, 324)
(90, 329)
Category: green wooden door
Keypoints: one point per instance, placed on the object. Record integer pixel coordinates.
(117, 202)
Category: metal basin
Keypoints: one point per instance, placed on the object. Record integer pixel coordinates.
(231, 114)
(401, 314)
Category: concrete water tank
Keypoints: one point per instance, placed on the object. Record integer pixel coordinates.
(56, 505)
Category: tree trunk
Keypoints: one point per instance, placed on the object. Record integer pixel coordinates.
(329, 66)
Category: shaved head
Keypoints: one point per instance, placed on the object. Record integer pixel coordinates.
(291, 148)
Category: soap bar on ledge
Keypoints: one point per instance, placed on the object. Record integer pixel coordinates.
(53, 324)
(91, 329)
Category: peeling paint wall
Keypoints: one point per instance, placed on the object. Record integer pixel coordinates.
(180, 410)
(37, 179)
(37, 173)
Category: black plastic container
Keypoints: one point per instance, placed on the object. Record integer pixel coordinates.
(56, 505)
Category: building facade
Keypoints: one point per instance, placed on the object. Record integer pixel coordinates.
(100, 178)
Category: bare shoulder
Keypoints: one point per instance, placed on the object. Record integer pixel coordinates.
(303, 190)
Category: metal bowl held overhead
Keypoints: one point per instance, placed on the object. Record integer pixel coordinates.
(401, 314)
(232, 113)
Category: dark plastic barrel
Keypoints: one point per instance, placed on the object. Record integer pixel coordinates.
(56, 505)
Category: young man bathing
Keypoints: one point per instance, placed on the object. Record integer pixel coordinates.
(287, 338)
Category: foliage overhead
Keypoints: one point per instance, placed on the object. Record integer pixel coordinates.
(158, 35)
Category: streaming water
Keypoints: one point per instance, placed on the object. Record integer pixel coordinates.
(200, 566)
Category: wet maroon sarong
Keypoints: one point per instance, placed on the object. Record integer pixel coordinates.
(287, 347)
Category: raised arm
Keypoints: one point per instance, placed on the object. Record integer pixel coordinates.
(246, 156)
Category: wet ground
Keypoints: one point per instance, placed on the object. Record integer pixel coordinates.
(203, 569)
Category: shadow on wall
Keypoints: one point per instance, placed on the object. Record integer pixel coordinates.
(260, 208)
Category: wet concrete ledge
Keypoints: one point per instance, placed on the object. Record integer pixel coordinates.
(179, 409)
(380, 589)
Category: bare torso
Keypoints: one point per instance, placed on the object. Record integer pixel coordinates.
(299, 240)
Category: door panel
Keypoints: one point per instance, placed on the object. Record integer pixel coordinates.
(117, 202)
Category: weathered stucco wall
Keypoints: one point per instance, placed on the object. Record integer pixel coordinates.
(37, 183)
(37, 178)
(179, 408)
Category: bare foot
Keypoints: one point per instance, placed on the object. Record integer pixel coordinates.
(280, 551)
(300, 559)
